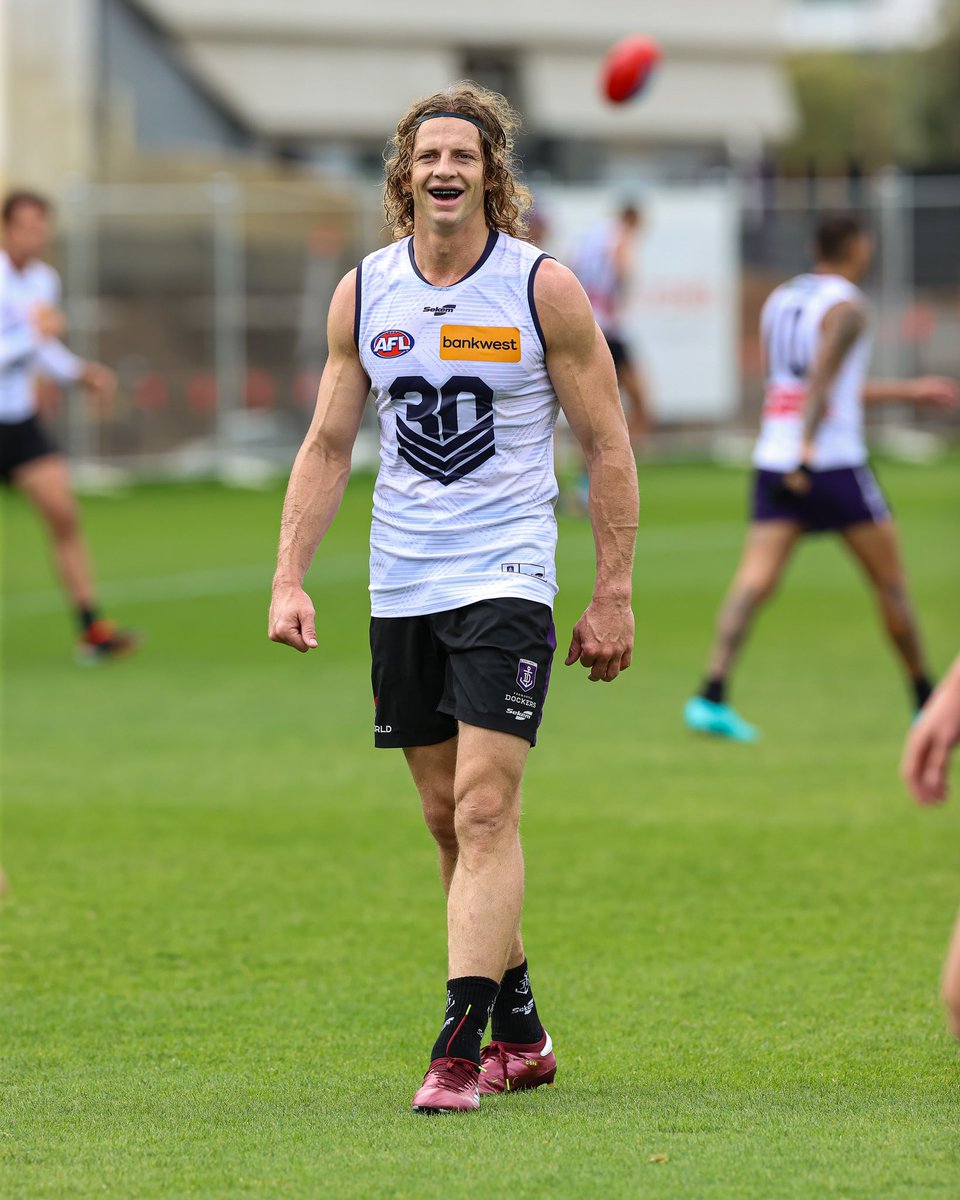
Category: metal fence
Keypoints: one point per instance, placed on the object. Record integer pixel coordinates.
(210, 301)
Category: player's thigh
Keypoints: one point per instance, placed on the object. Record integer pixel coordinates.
(875, 545)
(46, 484)
(490, 767)
(434, 770)
(766, 552)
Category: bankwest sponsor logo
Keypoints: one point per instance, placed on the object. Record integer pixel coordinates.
(480, 343)
(391, 343)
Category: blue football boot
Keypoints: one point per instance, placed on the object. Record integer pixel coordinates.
(720, 720)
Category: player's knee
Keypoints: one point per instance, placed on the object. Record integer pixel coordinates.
(764, 589)
(63, 521)
(439, 815)
(483, 816)
(751, 593)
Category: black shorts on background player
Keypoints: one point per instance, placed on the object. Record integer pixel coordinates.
(618, 350)
(21, 442)
(487, 664)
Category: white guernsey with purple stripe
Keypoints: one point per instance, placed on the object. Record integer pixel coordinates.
(791, 326)
(463, 508)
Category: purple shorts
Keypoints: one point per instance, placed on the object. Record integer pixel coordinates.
(837, 498)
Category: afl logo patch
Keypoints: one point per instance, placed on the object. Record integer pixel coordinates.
(391, 343)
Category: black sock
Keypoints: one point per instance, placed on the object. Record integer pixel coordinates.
(714, 689)
(922, 687)
(515, 1017)
(85, 618)
(469, 1001)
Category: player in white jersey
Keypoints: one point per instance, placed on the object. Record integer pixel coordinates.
(811, 462)
(603, 262)
(30, 324)
(471, 341)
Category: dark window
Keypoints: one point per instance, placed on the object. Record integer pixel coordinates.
(494, 69)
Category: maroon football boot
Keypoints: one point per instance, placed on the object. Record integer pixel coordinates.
(508, 1067)
(450, 1085)
(102, 641)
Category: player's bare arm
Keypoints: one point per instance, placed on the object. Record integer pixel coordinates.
(47, 321)
(842, 325)
(319, 475)
(583, 377)
(931, 391)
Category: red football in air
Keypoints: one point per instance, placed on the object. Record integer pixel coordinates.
(628, 66)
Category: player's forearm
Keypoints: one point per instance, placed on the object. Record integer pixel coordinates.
(60, 363)
(888, 391)
(814, 411)
(614, 506)
(314, 493)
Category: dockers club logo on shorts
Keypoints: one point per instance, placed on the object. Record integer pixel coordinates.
(527, 674)
(391, 343)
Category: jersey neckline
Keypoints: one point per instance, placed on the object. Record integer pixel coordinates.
(492, 238)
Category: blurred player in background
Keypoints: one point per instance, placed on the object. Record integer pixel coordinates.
(811, 462)
(603, 262)
(471, 339)
(30, 325)
(924, 768)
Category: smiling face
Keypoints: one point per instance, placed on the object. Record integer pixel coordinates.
(447, 175)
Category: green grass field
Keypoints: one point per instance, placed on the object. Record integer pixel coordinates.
(223, 946)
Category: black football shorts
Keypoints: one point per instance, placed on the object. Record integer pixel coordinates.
(487, 664)
(21, 442)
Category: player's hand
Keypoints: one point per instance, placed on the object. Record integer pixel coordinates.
(603, 638)
(934, 391)
(101, 383)
(293, 620)
(926, 755)
(49, 322)
(797, 483)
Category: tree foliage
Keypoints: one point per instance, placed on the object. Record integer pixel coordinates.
(871, 109)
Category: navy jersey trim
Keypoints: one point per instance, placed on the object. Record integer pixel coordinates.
(356, 305)
(492, 239)
(533, 304)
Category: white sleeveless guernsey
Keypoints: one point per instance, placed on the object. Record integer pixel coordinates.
(791, 329)
(23, 353)
(463, 508)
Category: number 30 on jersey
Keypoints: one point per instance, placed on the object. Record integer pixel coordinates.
(430, 439)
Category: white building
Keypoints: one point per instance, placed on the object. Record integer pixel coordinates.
(99, 84)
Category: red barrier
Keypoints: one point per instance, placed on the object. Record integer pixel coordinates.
(305, 387)
(259, 389)
(202, 393)
(150, 392)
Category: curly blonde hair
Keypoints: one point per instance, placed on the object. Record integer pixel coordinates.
(506, 201)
